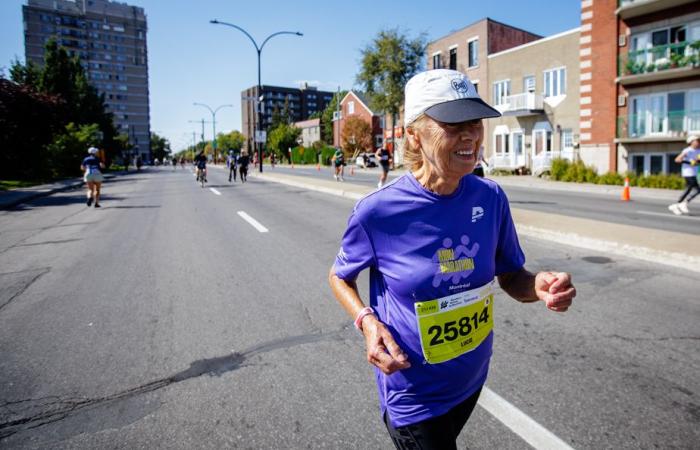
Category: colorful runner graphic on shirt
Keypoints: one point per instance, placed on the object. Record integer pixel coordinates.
(454, 263)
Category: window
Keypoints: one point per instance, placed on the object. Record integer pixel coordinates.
(453, 59)
(378, 141)
(351, 107)
(555, 82)
(476, 86)
(543, 141)
(473, 53)
(529, 84)
(502, 146)
(501, 91)
(567, 139)
(436, 61)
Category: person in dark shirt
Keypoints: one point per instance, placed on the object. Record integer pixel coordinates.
(243, 162)
(200, 162)
(384, 157)
(93, 177)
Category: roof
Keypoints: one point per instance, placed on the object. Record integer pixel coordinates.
(363, 100)
(308, 123)
(487, 19)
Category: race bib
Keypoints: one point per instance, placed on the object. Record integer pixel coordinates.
(456, 324)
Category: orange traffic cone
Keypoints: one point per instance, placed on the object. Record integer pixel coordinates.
(626, 190)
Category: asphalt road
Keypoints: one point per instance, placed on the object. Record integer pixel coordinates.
(166, 320)
(641, 212)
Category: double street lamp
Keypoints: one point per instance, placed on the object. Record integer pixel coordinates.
(259, 49)
(213, 123)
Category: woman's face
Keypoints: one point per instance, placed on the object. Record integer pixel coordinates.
(451, 150)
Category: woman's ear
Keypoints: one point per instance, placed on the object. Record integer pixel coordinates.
(413, 138)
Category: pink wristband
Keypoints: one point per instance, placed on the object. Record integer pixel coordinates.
(361, 315)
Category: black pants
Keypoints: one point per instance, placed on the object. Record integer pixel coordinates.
(690, 184)
(232, 171)
(438, 433)
(244, 173)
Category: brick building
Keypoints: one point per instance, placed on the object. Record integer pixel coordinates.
(640, 82)
(355, 105)
(467, 50)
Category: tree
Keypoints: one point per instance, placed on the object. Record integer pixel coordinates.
(69, 148)
(356, 136)
(387, 64)
(231, 141)
(327, 117)
(160, 147)
(282, 138)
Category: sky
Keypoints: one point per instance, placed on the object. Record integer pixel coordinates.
(191, 60)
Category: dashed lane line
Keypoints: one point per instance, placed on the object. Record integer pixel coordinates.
(257, 225)
(215, 191)
(520, 423)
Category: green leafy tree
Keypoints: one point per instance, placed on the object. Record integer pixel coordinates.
(230, 141)
(327, 117)
(160, 147)
(282, 138)
(387, 64)
(69, 148)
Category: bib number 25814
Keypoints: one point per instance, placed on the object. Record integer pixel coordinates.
(454, 325)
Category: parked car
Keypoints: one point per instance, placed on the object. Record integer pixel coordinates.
(365, 160)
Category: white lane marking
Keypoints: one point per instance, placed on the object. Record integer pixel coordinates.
(257, 225)
(215, 191)
(530, 431)
(668, 214)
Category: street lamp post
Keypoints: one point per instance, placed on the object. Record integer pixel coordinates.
(259, 50)
(213, 124)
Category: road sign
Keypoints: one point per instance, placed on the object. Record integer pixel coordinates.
(261, 136)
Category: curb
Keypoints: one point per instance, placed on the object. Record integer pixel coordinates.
(670, 259)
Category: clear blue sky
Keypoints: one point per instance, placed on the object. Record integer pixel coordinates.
(191, 60)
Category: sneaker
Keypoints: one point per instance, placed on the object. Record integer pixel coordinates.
(335, 177)
(97, 205)
(89, 201)
(379, 185)
(683, 206)
(675, 209)
(342, 179)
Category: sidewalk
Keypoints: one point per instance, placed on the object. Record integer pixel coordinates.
(674, 249)
(14, 197)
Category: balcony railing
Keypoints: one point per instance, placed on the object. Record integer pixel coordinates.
(661, 57)
(528, 101)
(649, 125)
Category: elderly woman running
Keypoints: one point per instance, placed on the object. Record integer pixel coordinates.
(435, 240)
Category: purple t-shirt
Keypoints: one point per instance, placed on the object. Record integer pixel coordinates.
(397, 232)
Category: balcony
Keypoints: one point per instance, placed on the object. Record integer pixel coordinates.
(663, 62)
(647, 127)
(527, 104)
(627, 9)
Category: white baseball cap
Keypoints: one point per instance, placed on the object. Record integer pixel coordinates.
(692, 138)
(446, 96)
(92, 150)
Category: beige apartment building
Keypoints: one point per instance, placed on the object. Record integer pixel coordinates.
(536, 88)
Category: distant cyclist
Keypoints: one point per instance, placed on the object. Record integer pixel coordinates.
(384, 157)
(338, 163)
(91, 165)
(232, 166)
(200, 162)
(243, 162)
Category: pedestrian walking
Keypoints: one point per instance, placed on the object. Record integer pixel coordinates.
(91, 166)
(435, 240)
(384, 157)
(689, 160)
(232, 166)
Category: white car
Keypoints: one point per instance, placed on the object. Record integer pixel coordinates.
(365, 160)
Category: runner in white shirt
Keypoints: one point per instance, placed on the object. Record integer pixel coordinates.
(689, 159)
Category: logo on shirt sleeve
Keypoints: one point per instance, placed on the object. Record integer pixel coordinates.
(477, 213)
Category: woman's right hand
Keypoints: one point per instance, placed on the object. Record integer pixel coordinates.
(382, 350)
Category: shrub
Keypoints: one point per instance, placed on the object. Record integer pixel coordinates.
(612, 178)
(559, 168)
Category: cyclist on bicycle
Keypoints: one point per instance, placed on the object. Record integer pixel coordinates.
(200, 162)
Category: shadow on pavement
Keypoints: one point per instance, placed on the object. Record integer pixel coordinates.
(131, 207)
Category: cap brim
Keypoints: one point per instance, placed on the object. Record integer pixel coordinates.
(461, 110)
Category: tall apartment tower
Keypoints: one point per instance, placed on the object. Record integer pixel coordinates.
(110, 39)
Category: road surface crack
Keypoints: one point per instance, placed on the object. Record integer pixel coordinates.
(20, 415)
(42, 272)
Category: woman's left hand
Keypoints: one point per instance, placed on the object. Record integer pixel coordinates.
(555, 289)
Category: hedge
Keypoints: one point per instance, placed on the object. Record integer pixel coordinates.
(578, 172)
